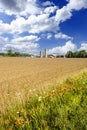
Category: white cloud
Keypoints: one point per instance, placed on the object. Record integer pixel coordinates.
(19, 7)
(27, 44)
(41, 23)
(62, 36)
(4, 27)
(50, 9)
(49, 35)
(63, 14)
(46, 35)
(61, 50)
(47, 3)
(77, 5)
(3, 42)
(33, 24)
(66, 12)
(22, 47)
(31, 38)
(83, 46)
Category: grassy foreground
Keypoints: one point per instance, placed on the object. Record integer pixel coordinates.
(62, 108)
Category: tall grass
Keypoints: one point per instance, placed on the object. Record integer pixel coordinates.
(62, 108)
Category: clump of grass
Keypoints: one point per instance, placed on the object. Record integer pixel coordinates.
(63, 108)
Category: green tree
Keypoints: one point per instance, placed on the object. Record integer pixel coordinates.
(17, 54)
(69, 54)
(77, 54)
(82, 54)
(10, 52)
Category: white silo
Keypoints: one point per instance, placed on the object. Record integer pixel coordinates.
(46, 53)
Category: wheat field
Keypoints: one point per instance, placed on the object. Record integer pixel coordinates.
(22, 77)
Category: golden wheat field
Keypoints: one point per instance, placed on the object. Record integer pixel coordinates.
(19, 77)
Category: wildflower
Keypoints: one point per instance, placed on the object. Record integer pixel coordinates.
(10, 129)
(54, 91)
(16, 123)
(18, 113)
(7, 122)
(40, 98)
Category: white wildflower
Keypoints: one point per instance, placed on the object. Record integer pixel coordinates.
(18, 112)
(40, 98)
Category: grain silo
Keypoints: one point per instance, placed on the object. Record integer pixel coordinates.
(46, 53)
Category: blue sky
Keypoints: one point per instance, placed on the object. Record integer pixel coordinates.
(29, 26)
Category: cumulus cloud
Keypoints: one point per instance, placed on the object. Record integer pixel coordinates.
(41, 23)
(4, 27)
(46, 35)
(19, 7)
(62, 36)
(34, 24)
(66, 12)
(77, 5)
(83, 46)
(62, 50)
(3, 42)
(49, 35)
(12, 4)
(63, 14)
(50, 9)
(31, 38)
(23, 47)
(47, 3)
(27, 44)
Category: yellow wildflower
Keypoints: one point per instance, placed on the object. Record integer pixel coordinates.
(7, 121)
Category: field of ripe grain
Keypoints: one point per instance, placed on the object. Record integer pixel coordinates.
(19, 77)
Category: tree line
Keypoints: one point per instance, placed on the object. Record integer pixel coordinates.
(10, 53)
(77, 54)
